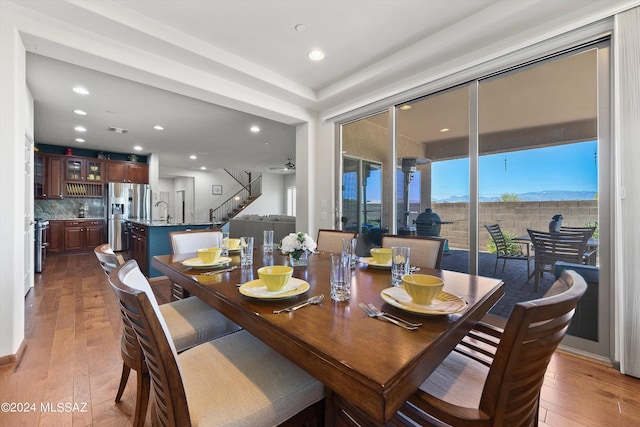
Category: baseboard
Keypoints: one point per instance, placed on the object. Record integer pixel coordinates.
(14, 358)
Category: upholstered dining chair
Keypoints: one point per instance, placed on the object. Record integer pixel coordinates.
(230, 381)
(502, 250)
(108, 259)
(494, 376)
(425, 251)
(553, 247)
(190, 322)
(189, 241)
(331, 240)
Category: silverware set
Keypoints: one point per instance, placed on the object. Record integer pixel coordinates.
(372, 311)
(212, 273)
(310, 301)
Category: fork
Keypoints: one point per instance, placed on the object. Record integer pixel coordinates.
(382, 313)
(372, 314)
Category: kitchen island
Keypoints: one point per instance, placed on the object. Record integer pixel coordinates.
(150, 238)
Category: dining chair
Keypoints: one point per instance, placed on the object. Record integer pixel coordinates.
(425, 251)
(502, 249)
(107, 258)
(190, 322)
(233, 380)
(331, 240)
(552, 247)
(592, 251)
(189, 241)
(494, 376)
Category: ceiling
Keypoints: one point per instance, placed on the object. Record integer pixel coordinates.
(227, 65)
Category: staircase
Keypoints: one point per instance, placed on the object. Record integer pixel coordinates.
(234, 205)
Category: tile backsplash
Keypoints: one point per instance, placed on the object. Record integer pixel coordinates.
(68, 208)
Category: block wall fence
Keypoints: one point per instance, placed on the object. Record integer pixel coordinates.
(514, 217)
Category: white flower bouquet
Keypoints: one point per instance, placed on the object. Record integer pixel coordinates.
(297, 243)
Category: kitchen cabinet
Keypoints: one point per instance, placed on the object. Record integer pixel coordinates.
(138, 246)
(84, 170)
(47, 177)
(133, 172)
(55, 236)
(81, 235)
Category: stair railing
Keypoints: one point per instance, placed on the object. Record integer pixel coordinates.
(237, 202)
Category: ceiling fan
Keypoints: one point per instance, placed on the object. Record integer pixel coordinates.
(287, 166)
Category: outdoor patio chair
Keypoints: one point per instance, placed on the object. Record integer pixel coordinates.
(494, 376)
(425, 251)
(502, 252)
(232, 380)
(553, 247)
(592, 251)
(331, 240)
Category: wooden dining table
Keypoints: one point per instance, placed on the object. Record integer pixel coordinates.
(369, 366)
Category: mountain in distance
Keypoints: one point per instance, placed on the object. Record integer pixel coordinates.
(537, 196)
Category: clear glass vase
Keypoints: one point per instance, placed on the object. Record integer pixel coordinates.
(302, 261)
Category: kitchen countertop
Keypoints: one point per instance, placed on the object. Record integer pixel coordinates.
(156, 223)
(75, 218)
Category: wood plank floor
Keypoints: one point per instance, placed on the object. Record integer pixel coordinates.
(73, 357)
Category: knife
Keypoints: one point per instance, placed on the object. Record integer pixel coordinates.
(226, 270)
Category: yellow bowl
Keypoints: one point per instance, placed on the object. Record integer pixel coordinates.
(381, 255)
(209, 255)
(422, 288)
(275, 277)
(233, 244)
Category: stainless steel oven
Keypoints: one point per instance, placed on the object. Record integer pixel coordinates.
(40, 238)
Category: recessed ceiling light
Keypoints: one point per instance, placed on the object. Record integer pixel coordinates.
(137, 148)
(445, 130)
(80, 129)
(316, 55)
(193, 157)
(158, 127)
(81, 90)
(80, 112)
(405, 107)
(254, 129)
(300, 27)
(204, 168)
(79, 140)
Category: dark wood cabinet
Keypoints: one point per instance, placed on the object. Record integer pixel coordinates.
(138, 245)
(80, 169)
(47, 177)
(83, 235)
(133, 172)
(55, 236)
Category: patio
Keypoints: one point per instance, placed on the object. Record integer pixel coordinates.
(514, 276)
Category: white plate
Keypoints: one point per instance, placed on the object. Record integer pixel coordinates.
(197, 262)
(299, 287)
(371, 262)
(444, 303)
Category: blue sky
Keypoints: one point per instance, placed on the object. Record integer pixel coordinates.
(569, 167)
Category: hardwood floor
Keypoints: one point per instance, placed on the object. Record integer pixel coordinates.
(72, 357)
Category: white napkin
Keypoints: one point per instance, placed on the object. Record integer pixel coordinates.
(401, 296)
(262, 291)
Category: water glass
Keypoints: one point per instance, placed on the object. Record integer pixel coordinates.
(224, 244)
(399, 264)
(340, 277)
(246, 251)
(267, 241)
(349, 250)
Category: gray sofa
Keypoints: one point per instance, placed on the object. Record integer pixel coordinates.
(254, 225)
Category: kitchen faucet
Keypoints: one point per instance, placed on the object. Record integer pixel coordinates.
(167, 204)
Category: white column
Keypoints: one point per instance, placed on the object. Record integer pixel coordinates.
(627, 92)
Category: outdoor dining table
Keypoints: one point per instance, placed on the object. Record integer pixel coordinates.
(369, 366)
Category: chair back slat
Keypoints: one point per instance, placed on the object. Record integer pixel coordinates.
(563, 246)
(532, 334)
(170, 400)
(108, 259)
(183, 242)
(331, 240)
(425, 251)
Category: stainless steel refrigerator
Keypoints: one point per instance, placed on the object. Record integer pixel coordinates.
(125, 202)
